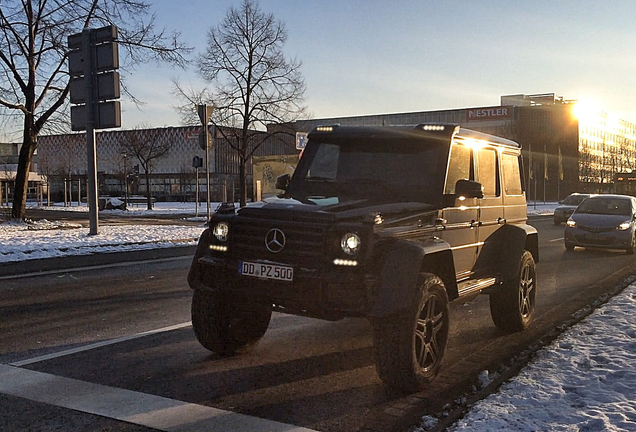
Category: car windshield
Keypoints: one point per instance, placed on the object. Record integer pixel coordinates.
(383, 171)
(605, 206)
(574, 200)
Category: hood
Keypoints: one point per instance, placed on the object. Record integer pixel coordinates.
(329, 209)
(599, 220)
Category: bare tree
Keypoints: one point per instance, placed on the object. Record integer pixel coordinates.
(255, 85)
(146, 145)
(33, 57)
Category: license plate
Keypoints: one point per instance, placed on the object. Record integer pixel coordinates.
(266, 271)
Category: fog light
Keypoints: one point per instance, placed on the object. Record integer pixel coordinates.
(344, 262)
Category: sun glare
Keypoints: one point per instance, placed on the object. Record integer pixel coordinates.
(585, 109)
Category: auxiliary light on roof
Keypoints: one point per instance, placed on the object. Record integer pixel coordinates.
(324, 129)
(433, 127)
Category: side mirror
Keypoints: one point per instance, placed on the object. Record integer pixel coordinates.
(468, 189)
(282, 182)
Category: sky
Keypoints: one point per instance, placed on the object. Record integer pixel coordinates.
(582, 381)
(374, 57)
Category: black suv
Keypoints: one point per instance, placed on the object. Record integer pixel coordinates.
(387, 223)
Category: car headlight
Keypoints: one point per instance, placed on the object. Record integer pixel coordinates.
(624, 225)
(571, 223)
(350, 243)
(221, 231)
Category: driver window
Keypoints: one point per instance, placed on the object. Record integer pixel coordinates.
(325, 164)
(459, 166)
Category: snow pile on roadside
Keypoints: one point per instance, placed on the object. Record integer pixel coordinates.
(584, 381)
(44, 239)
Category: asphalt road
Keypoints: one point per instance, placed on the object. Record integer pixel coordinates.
(305, 372)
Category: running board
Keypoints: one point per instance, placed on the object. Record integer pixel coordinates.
(474, 285)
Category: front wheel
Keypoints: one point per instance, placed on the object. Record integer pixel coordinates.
(223, 324)
(409, 347)
(512, 306)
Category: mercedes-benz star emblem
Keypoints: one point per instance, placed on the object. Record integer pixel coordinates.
(275, 240)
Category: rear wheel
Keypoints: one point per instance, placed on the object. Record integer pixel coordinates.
(224, 324)
(512, 307)
(409, 347)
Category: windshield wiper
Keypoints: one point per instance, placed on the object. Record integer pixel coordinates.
(319, 179)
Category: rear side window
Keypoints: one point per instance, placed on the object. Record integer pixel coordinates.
(487, 164)
(511, 174)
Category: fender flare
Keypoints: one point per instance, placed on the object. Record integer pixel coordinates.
(505, 247)
(401, 266)
(194, 278)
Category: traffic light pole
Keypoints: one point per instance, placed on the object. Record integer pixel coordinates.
(90, 134)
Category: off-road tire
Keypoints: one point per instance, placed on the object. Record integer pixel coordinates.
(225, 325)
(512, 306)
(409, 347)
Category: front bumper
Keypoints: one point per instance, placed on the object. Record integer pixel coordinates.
(611, 239)
(323, 293)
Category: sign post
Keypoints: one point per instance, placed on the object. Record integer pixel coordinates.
(205, 112)
(93, 60)
(197, 163)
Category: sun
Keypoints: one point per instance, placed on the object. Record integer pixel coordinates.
(585, 109)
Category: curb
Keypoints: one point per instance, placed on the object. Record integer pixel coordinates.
(35, 266)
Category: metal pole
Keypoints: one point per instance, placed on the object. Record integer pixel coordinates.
(196, 198)
(90, 134)
(207, 165)
(125, 182)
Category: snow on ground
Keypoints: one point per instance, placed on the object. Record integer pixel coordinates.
(21, 241)
(584, 381)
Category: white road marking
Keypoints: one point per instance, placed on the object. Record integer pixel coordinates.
(98, 345)
(156, 412)
(555, 240)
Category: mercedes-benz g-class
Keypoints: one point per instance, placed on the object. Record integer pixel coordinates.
(386, 223)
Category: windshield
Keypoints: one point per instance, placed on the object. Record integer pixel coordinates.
(574, 200)
(381, 171)
(605, 206)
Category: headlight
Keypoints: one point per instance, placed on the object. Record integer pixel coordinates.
(624, 225)
(350, 243)
(221, 231)
(571, 223)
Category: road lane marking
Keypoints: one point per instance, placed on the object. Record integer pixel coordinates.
(93, 267)
(99, 345)
(142, 409)
(555, 240)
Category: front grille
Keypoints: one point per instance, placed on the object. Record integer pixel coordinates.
(594, 229)
(304, 242)
(594, 240)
